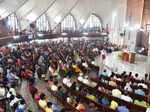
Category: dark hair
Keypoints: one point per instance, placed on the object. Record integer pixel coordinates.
(42, 96)
(136, 75)
(49, 104)
(22, 101)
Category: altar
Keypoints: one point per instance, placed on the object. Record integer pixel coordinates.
(128, 56)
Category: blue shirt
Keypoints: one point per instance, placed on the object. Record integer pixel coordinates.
(139, 92)
(105, 102)
(105, 74)
(10, 78)
(122, 109)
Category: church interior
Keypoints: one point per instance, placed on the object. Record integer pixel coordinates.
(74, 55)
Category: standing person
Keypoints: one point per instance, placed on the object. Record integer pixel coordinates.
(102, 61)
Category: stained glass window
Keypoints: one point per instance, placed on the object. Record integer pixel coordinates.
(68, 24)
(93, 24)
(42, 24)
(12, 22)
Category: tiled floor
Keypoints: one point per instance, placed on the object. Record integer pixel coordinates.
(116, 64)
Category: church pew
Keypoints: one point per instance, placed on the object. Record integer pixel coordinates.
(121, 83)
(131, 94)
(63, 102)
(76, 93)
(131, 106)
(137, 81)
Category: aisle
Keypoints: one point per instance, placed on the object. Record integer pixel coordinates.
(42, 87)
(24, 91)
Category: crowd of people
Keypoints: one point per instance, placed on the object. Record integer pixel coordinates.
(58, 63)
(32, 61)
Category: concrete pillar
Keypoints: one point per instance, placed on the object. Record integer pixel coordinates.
(148, 61)
(130, 39)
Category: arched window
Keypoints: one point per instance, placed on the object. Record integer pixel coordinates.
(12, 23)
(93, 24)
(42, 24)
(68, 24)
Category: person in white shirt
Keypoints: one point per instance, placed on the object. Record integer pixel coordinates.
(67, 81)
(80, 78)
(116, 93)
(54, 86)
(142, 84)
(128, 87)
(126, 97)
(2, 91)
(86, 80)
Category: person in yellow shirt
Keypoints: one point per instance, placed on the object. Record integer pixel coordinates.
(77, 69)
(42, 102)
(113, 105)
(48, 108)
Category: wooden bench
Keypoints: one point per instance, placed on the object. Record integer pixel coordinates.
(131, 106)
(131, 94)
(100, 106)
(121, 83)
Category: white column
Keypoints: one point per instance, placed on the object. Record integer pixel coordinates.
(130, 39)
(148, 61)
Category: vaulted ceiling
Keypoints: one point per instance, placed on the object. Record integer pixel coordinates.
(28, 11)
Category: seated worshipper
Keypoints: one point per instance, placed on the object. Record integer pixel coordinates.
(112, 83)
(77, 69)
(13, 100)
(85, 80)
(128, 87)
(71, 101)
(54, 108)
(104, 73)
(113, 105)
(80, 106)
(126, 97)
(130, 76)
(67, 81)
(12, 90)
(116, 93)
(49, 107)
(53, 71)
(105, 102)
(32, 90)
(42, 102)
(142, 84)
(133, 82)
(140, 102)
(26, 74)
(60, 92)
(139, 91)
(73, 86)
(2, 91)
(37, 95)
(22, 104)
(96, 77)
(91, 96)
(137, 77)
(83, 91)
(11, 77)
(92, 108)
(1, 107)
(54, 86)
(123, 109)
(50, 82)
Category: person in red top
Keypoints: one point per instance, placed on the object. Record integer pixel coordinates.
(80, 106)
(32, 90)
